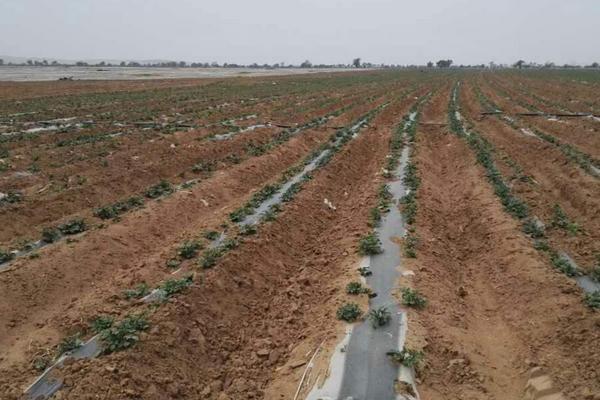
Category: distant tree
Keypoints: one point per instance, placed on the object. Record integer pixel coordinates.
(81, 64)
(594, 65)
(54, 62)
(29, 62)
(429, 64)
(181, 64)
(549, 64)
(519, 64)
(356, 62)
(306, 64)
(122, 64)
(444, 63)
(1, 61)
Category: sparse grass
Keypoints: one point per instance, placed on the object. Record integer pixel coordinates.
(124, 334)
(369, 245)
(210, 257)
(349, 312)
(203, 166)
(69, 343)
(163, 188)
(592, 300)
(101, 323)
(12, 197)
(140, 291)
(410, 244)
(531, 228)
(211, 235)
(563, 265)
(174, 286)
(173, 263)
(412, 298)
(384, 198)
(356, 288)
(407, 357)
(5, 256)
(562, 221)
(248, 229)
(50, 235)
(118, 208)
(189, 249)
(374, 217)
(379, 317)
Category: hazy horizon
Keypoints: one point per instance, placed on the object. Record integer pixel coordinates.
(326, 31)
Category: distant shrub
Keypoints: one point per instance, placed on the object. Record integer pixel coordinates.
(73, 227)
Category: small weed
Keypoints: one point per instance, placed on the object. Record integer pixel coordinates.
(118, 208)
(69, 343)
(563, 265)
(163, 188)
(349, 312)
(140, 291)
(12, 197)
(189, 249)
(355, 288)
(210, 257)
(369, 245)
(541, 245)
(241, 213)
(208, 166)
(592, 300)
(365, 271)
(247, 229)
(50, 235)
(374, 217)
(174, 286)
(101, 323)
(42, 362)
(407, 357)
(6, 256)
(72, 227)
(379, 317)
(560, 220)
(211, 235)
(595, 274)
(410, 244)
(124, 334)
(384, 197)
(173, 263)
(413, 298)
(531, 228)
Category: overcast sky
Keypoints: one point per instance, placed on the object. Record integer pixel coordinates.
(323, 31)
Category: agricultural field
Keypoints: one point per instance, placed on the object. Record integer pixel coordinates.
(381, 234)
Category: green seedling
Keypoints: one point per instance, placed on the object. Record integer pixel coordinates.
(380, 317)
(101, 323)
(140, 291)
(407, 357)
(189, 249)
(349, 312)
(73, 227)
(124, 334)
(592, 300)
(369, 245)
(413, 298)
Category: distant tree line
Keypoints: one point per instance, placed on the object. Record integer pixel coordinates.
(356, 63)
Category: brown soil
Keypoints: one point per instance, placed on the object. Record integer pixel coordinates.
(247, 327)
(495, 307)
(283, 292)
(555, 180)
